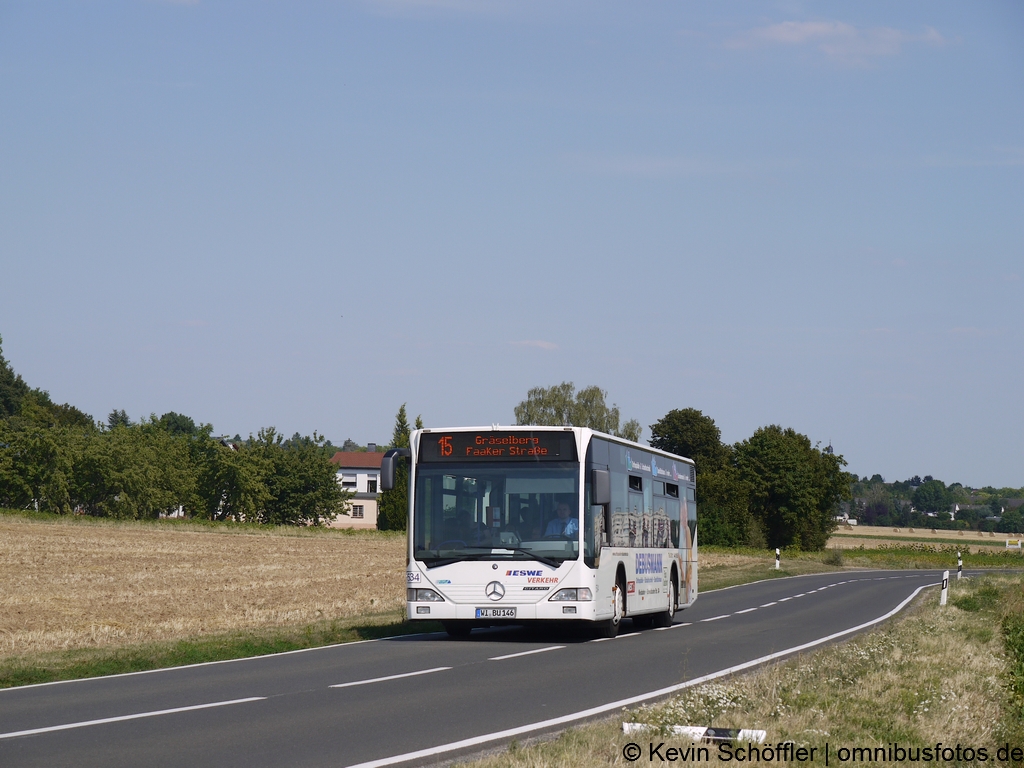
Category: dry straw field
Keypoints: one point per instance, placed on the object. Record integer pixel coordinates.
(78, 584)
(848, 537)
(74, 583)
(70, 584)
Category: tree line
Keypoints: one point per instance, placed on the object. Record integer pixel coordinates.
(929, 503)
(774, 489)
(55, 458)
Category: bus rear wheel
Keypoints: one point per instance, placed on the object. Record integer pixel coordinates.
(610, 627)
(666, 617)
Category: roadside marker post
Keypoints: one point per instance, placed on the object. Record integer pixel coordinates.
(959, 566)
(945, 587)
(777, 554)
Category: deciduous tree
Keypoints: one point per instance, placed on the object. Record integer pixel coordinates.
(723, 518)
(562, 406)
(931, 496)
(795, 488)
(688, 432)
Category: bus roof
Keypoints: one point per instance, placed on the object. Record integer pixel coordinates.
(583, 431)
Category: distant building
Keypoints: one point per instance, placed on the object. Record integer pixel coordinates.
(359, 473)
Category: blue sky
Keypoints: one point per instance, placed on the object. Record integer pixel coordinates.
(306, 214)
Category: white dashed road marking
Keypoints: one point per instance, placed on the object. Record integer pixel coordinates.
(526, 653)
(122, 718)
(389, 677)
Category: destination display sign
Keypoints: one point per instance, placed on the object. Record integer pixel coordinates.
(497, 446)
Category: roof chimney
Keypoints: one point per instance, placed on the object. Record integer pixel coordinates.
(371, 447)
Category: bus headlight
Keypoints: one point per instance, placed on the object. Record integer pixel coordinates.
(423, 596)
(573, 594)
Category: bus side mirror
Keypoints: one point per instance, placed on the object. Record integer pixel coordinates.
(387, 467)
(600, 487)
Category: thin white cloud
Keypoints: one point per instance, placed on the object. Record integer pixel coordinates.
(972, 331)
(429, 7)
(838, 40)
(546, 345)
(667, 166)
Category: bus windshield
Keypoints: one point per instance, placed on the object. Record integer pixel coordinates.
(514, 511)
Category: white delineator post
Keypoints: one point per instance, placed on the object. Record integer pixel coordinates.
(776, 558)
(945, 587)
(959, 566)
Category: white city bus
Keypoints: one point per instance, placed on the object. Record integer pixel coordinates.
(522, 524)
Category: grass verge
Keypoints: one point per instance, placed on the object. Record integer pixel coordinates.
(953, 675)
(96, 662)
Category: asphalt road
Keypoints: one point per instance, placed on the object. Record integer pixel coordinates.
(422, 698)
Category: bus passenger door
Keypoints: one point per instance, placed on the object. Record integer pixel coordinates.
(635, 516)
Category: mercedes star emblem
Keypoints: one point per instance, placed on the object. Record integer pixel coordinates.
(495, 590)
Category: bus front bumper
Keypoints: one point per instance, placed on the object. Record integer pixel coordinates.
(544, 611)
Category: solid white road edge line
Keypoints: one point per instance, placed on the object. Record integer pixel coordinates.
(511, 732)
(526, 653)
(84, 723)
(389, 677)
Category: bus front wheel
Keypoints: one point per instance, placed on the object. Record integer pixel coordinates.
(610, 627)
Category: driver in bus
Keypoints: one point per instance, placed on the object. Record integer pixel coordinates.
(563, 525)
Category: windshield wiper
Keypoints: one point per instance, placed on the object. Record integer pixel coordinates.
(441, 561)
(449, 560)
(548, 561)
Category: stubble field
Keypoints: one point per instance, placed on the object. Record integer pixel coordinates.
(80, 584)
(848, 537)
(70, 583)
